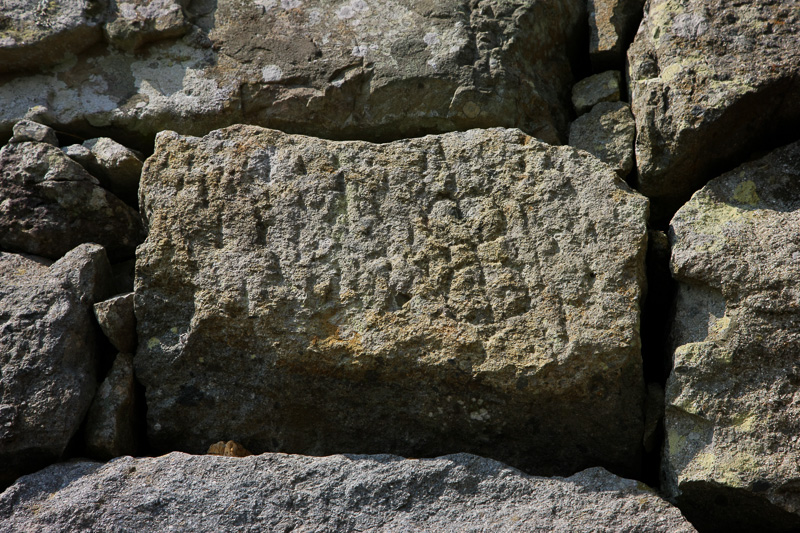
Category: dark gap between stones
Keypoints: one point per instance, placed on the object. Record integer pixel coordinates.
(656, 352)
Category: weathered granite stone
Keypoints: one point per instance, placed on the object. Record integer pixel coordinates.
(135, 23)
(733, 398)
(374, 70)
(111, 424)
(27, 130)
(36, 34)
(117, 321)
(47, 359)
(49, 204)
(473, 291)
(709, 80)
(275, 492)
(590, 91)
(118, 168)
(612, 24)
(607, 132)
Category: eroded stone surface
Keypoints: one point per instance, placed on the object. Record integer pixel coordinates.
(275, 492)
(472, 291)
(732, 416)
(49, 204)
(607, 132)
(376, 69)
(47, 359)
(710, 79)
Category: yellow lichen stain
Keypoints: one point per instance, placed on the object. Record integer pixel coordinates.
(153, 342)
(736, 470)
(722, 355)
(720, 326)
(675, 441)
(174, 330)
(661, 15)
(743, 422)
(745, 193)
(671, 71)
(471, 109)
(705, 461)
(713, 216)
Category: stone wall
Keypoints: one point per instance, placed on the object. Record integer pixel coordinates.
(458, 265)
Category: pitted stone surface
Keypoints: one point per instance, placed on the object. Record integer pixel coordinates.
(475, 290)
(275, 492)
(710, 80)
(732, 398)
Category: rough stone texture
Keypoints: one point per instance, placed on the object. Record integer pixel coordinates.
(118, 168)
(117, 321)
(111, 424)
(612, 24)
(27, 130)
(607, 132)
(49, 204)
(47, 359)
(275, 492)
(733, 399)
(36, 34)
(590, 91)
(474, 291)
(709, 79)
(334, 68)
(135, 23)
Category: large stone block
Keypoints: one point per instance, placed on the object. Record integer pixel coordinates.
(733, 398)
(709, 81)
(474, 291)
(276, 492)
(47, 353)
(374, 70)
